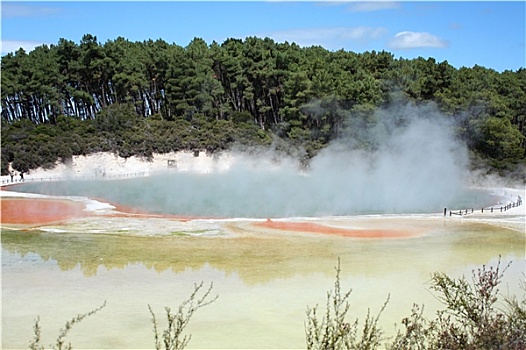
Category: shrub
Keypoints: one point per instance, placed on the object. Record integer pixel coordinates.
(60, 343)
(473, 317)
(333, 331)
(172, 336)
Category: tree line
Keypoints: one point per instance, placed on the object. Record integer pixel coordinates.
(135, 98)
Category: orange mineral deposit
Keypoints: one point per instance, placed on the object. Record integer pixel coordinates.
(31, 211)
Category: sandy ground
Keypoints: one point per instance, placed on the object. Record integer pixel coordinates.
(110, 166)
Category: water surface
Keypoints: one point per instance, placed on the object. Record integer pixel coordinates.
(264, 281)
(249, 194)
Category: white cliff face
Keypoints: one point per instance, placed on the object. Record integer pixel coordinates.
(109, 165)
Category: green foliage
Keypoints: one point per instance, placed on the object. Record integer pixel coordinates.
(116, 118)
(332, 330)
(172, 337)
(29, 146)
(60, 342)
(107, 97)
(473, 317)
(498, 138)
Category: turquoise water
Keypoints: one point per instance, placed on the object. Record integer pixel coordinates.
(247, 194)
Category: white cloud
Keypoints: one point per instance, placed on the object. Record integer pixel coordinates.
(330, 38)
(369, 6)
(414, 40)
(14, 45)
(363, 33)
(11, 10)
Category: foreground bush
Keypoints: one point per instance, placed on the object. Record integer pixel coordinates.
(60, 343)
(332, 331)
(173, 337)
(473, 318)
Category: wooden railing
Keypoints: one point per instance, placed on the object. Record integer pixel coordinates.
(26, 179)
(491, 209)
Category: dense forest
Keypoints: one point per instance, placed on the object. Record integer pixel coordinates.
(140, 98)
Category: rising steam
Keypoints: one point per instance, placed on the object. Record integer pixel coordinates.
(412, 164)
(402, 160)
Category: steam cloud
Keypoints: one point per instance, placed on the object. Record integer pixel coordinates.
(412, 163)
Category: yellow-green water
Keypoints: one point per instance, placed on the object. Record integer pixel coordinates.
(264, 281)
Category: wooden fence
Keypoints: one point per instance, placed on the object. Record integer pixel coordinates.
(26, 179)
(492, 209)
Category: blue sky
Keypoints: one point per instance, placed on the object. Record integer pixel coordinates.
(490, 34)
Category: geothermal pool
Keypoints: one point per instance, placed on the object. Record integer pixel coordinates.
(265, 272)
(246, 193)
